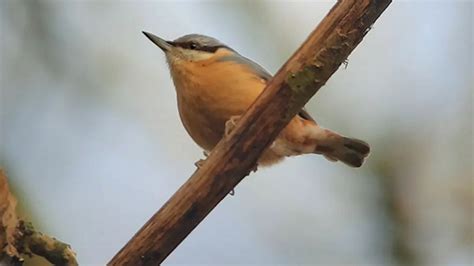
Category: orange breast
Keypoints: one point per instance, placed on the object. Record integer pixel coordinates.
(209, 93)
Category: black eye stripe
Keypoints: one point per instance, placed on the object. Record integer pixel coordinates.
(195, 46)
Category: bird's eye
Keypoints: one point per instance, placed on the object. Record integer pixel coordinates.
(193, 46)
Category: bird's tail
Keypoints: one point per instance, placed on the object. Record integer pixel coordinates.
(339, 148)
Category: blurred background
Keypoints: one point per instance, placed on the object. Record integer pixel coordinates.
(92, 143)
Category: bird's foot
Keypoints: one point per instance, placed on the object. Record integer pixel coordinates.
(230, 124)
(200, 162)
(255, 168)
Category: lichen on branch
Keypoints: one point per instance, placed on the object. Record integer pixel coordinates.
(19, 238)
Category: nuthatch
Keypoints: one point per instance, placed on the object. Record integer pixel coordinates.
(215, 85)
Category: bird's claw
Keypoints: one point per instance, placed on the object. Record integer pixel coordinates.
(345, 63)
(230, 124)
(254, 168)
(199, 163)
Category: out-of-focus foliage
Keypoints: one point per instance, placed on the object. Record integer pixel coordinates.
(91, 138)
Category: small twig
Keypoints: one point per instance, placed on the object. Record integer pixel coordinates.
(55, 251)
(19, 238)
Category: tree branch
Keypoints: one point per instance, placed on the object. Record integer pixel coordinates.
(235, 155)
(19, 238)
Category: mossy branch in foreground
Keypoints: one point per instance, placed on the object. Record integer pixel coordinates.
(19, 238)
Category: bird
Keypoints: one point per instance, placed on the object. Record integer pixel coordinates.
(215, 85)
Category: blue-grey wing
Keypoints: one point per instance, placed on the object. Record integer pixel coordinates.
(236, 58)
(261, 72)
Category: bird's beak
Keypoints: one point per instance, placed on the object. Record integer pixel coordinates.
(163, 44)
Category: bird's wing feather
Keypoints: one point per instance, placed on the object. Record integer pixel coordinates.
(236, 58)
(262, 73)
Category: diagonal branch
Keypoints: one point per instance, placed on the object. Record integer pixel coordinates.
(233, 158)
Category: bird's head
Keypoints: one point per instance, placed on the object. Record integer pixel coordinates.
(204, 50)
(190, 48)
